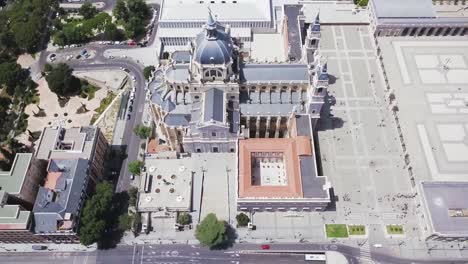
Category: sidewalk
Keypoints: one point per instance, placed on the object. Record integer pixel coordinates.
(50, 247)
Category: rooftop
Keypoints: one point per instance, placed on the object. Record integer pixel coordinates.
(286, 73)
(12, 181)
(293, 156)
(447, 204)
(193, 10)
(12, 217)
(75, 142)
(404, 9)
(166, 184)
(61, 194)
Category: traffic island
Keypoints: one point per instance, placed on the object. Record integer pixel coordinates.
(336, 230)
(395, 229)
(356, 230)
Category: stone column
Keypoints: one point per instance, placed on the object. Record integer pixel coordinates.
(278, 123)
(257, 126)
(268, 127)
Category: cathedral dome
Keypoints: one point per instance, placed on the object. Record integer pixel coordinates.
(213, 45)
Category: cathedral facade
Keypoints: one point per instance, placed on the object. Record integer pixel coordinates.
(208, 97)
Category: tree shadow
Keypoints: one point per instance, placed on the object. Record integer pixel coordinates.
(113, 233)
(327, 120)
(231, 236)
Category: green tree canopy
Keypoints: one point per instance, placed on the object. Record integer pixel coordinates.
(147, 71)
(211, 232)
(62, 82)
(87, 10)
(93, 216)
(132, 196)
(142, 131)
(184, 218)
(242, 219)
(132, 14)
(135, 166)
(120, 11)
(11, 75)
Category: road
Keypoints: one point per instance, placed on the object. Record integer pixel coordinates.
(129, 139)
(99, 62)
(239, 253)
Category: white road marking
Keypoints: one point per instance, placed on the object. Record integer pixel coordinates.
(133, 256)
(142, 250)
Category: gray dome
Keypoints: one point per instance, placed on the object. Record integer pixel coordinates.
(213, 46)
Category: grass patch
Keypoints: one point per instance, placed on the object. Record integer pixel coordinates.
(336, 230)
(395, 230)
(104, 104)
(89, 91)
(357, 230)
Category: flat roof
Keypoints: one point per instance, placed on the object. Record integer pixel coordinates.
(299, 160)
(11, 181)
(404, 9)
(288, 147)
(13, 218)
(195, 10)
(192, 32)
(440, 197)
(80, 140)
(169, 183)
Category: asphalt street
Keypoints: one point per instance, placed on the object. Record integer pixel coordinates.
(129, 139)
(239, 253)
(99, 62)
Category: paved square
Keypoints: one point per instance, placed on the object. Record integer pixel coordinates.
(431, 92)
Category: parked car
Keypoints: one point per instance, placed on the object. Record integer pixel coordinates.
(38, 247)
(265, 246)
(78, 57)
(83, 52)
(130, 108)
(52, 57)
(128, 117)
(132, 177)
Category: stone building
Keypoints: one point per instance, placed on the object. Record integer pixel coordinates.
(418, 18)
(208, 98)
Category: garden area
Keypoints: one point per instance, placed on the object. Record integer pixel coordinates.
(356, 230)
(395, 230)
(104, 104)
(336, 230)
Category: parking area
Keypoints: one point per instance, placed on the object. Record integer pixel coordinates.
(74, 53)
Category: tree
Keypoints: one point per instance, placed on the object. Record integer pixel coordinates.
(87, 10)
(135, 166)
(62, 82)
(125, 221)
(142, 131)
(95, 213)
(11, 75)
(136, 223)
(147, 71)
(48, 67)
(120, 11)
(132, 196)
(184, 219)
(111, 32)
(242, 219)
(211, 232)
(132, 14)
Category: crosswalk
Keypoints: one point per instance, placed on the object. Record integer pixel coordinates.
(365, 252)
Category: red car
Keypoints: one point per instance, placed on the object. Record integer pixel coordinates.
(265, 246)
